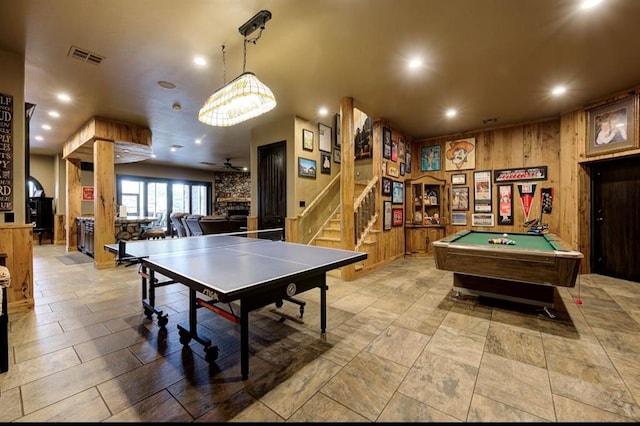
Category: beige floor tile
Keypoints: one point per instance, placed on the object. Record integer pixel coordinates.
(321, 408)
(399, 345)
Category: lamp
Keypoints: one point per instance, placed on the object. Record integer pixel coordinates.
(244, 97)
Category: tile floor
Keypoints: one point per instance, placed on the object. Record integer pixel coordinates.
(400, 347)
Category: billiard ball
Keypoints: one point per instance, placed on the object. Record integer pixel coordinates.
(505, 235)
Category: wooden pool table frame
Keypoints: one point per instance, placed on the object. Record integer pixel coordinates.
(507, 272)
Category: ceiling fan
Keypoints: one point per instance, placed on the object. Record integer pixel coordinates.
(227, 165)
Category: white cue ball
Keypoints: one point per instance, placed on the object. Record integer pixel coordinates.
(504, 235)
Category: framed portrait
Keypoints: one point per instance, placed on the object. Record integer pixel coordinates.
(401, 150)
(386, 143)
(612, 127)
(458, 218)
(482, 219)
(306, 167)
(397, 192)
(505, 204)
(402, 169)
(394, 150)
(324, 137)
(307, 140)
(387, 215)
(325, 163)
(398, 217)
(460, 155)
(460, 198)
(336, 155)
(386, 186)
(482, 191)
(407, 160)
(336, 126)
(393, 170)
(430, 158)
(458, 179)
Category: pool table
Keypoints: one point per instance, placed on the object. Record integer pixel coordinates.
(525, 272)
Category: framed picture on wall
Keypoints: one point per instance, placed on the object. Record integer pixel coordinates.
(307, 140)
(336, 133)
(482, 191)
(336, 155)
(460, 198)
(306, 167)
(460, 154)
(430, 158)
(387, 215)
(407, 160)
(325, 163)
(324, 137)
(458, 179)
(612, 127)
(386, 143)
(398, 217)
(386, 186)
(505, 204)
(397, 192)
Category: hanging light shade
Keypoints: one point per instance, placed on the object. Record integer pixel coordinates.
(241, 99)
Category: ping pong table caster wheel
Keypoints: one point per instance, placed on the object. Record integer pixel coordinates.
(162, 321)
(279, 303)
(185, 338)
(211, 353)
(148, 312)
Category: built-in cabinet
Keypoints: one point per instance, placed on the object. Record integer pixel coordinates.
(426, 214)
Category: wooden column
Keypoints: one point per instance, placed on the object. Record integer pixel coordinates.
(104, 203)
(347, 181)
(73, 206)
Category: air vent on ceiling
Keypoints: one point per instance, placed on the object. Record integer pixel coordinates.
(174, 146)
(85, 56)
(207, 163)
(490, 121)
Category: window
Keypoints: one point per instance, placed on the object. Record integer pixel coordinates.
(155, 197)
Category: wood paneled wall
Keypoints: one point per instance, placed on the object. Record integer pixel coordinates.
(17, 242)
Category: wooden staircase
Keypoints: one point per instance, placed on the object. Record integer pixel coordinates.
(331, 236)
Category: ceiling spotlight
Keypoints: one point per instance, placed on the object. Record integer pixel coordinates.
(451, 113)
(177, 106)
(63, 97)
(323, 111)
(54, 114)
(200, 61)
(558, 90)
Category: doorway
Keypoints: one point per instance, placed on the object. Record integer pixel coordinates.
(272, 186)
(615, 219)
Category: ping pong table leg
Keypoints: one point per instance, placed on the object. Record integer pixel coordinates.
(244, 341)
(323, 305)
(149, 305)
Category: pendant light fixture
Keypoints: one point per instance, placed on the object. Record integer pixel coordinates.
(244, 97)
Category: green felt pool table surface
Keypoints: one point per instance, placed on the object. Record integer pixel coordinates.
(522, 240)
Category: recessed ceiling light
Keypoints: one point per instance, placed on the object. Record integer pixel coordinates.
(451, 113)
(558, 90)
(588, 4)
(54, 114)
(39, 138)
(46, 127)
(198, 141)
(174, 149)
(177, 107)
(199, 60)
(153, 156)
(414, 63)
(323, 111)
(64, 97)
(166, 84)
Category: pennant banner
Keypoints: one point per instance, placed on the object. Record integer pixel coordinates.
(527, 191)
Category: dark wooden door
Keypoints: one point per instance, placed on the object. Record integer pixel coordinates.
(272, 185)
(615, 218)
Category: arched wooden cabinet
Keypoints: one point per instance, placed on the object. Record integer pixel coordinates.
(426, 214)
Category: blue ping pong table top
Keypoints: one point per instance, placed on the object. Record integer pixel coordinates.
(230, 264)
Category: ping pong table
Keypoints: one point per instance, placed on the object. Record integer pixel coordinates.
(227, 268)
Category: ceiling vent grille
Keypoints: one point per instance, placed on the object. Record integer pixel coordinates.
(85, 56)
(207, 163)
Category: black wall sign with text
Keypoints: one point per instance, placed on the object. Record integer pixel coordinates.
(6, 152)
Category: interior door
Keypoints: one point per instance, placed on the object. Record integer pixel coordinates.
(615, 220)
(272, 185)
